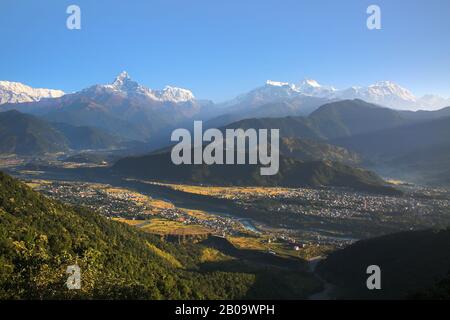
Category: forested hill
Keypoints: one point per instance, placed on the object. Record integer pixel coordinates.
(292, 173)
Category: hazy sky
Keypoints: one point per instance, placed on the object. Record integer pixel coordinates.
(219, 49)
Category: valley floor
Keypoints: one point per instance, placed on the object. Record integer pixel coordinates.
(260, 223)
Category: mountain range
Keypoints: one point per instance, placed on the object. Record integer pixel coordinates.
(409, 145)
(317, 117)
(331, 121)
(385, 93)
(123, 108)
(133, 111)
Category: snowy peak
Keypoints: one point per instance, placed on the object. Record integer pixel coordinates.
(124, 85)
(123, 76)
(175, 94)
(16, 92)
(389, 88)
(122, 79)
(309, 83)
(308, 87)
(311, 87)
(385, 93)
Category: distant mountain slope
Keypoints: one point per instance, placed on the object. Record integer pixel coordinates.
(306, 150)
(427, 165)
(81, 138)
(27, 135)
(292, 127)
(353, 122)
(417, 152)
(351, 117)
(397, 141)
(409, 145)
(310, 150)
(84, 112)
(292, 173)
(296, 106)
(422, 115)
(331, 121)
(409, 262)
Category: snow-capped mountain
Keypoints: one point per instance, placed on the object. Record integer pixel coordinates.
(125, 86)
(313, 88)
(276, 91)
(392, 95)
(123, 107)
(16, 92)
(272, 91)
(385, 93)
(274, 99)
(174, 94)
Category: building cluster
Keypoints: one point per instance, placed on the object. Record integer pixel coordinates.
(123, 204)
(342, 203)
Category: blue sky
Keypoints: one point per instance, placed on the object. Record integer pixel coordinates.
(219, 49)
